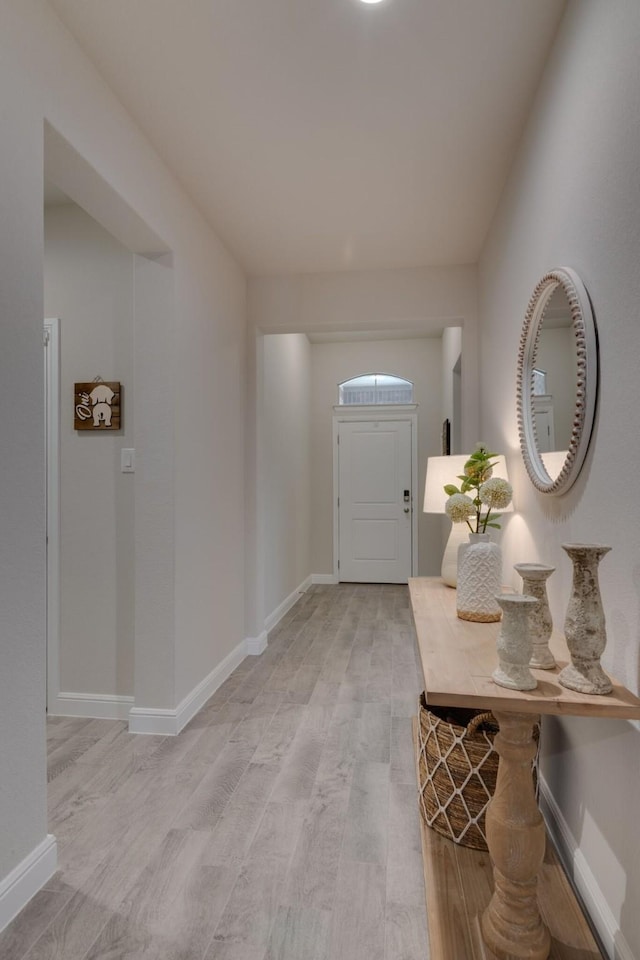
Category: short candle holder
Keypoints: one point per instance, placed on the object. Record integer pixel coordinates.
(514, 643)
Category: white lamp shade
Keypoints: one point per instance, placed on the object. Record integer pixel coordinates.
(442, 470)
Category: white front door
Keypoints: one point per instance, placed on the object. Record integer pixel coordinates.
(374, 501)
(545, 432)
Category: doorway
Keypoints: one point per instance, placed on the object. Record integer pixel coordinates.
(91, 279)
(375, 476)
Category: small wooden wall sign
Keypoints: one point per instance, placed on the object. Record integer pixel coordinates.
(97, 405)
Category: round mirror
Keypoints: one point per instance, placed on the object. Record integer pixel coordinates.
(557, 381)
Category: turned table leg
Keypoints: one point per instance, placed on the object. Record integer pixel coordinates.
(511, 925)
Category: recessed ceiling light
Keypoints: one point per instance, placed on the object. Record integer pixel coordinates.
(371, 1)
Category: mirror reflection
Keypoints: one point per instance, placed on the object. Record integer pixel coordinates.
(554, 377)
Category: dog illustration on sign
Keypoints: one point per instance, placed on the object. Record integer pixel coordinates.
(94, 405)
(101, 398)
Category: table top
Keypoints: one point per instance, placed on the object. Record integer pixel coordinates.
(458, 658)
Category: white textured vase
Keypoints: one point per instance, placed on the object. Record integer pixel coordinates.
(534, 584)
(479, 578)
(514, 643)
(584, 626)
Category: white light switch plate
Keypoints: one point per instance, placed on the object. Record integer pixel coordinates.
(127, 460)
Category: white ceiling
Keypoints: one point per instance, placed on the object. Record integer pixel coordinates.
(329, 134)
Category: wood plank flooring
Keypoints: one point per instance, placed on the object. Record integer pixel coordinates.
(281, 824)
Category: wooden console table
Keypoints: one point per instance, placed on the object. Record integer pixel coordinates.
(458, 659)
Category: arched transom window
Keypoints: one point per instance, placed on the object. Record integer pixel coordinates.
(375, 388)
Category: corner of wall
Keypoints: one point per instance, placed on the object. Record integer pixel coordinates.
(169, 722)
(27, 879)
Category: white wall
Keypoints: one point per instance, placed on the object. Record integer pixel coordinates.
(287, 465)
(44, 76)
(573, 200)
(418, 360)
(156, 639)
(88, 283)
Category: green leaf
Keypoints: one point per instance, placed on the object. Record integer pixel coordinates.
(449, 489)
(490, 524)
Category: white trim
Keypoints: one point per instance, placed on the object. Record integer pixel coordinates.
(373, 411)
(257, 645)
(24, 881)
(52, 451)
(99, 706)
(345, 414)
(584, 882)
(329, 578)
(153, 720)
(284, 607)
(169, 722)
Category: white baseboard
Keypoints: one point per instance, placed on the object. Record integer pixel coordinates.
(284, 607)
(98, 706)
(158, 721)
(578, 870)
(257, 645)
(168, 722)
(26, 879)
(327, 578)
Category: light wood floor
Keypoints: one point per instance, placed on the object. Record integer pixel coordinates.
(281, 824)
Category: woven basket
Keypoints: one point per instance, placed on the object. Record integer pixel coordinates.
(457, 767)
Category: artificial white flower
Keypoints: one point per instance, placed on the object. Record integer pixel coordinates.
(459, 507)
(483, 491)
(496, 493)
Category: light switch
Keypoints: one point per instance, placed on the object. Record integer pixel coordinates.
(127, 460)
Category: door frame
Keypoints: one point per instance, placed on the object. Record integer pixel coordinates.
(52, 455)
(357, 413)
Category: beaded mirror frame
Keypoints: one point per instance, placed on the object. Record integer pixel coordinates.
(586, 349)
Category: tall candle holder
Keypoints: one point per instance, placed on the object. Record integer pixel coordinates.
(534, 583)
(584, 626)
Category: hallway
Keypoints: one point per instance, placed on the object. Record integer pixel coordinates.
(281, 824)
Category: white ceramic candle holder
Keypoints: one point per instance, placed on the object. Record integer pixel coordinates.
(514, 643)
(534, 584)
(584, 626)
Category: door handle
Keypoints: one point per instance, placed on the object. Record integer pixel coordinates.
(406, 510)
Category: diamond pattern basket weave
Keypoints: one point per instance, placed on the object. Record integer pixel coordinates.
(457, 766)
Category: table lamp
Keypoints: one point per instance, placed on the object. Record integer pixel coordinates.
(442, 470)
